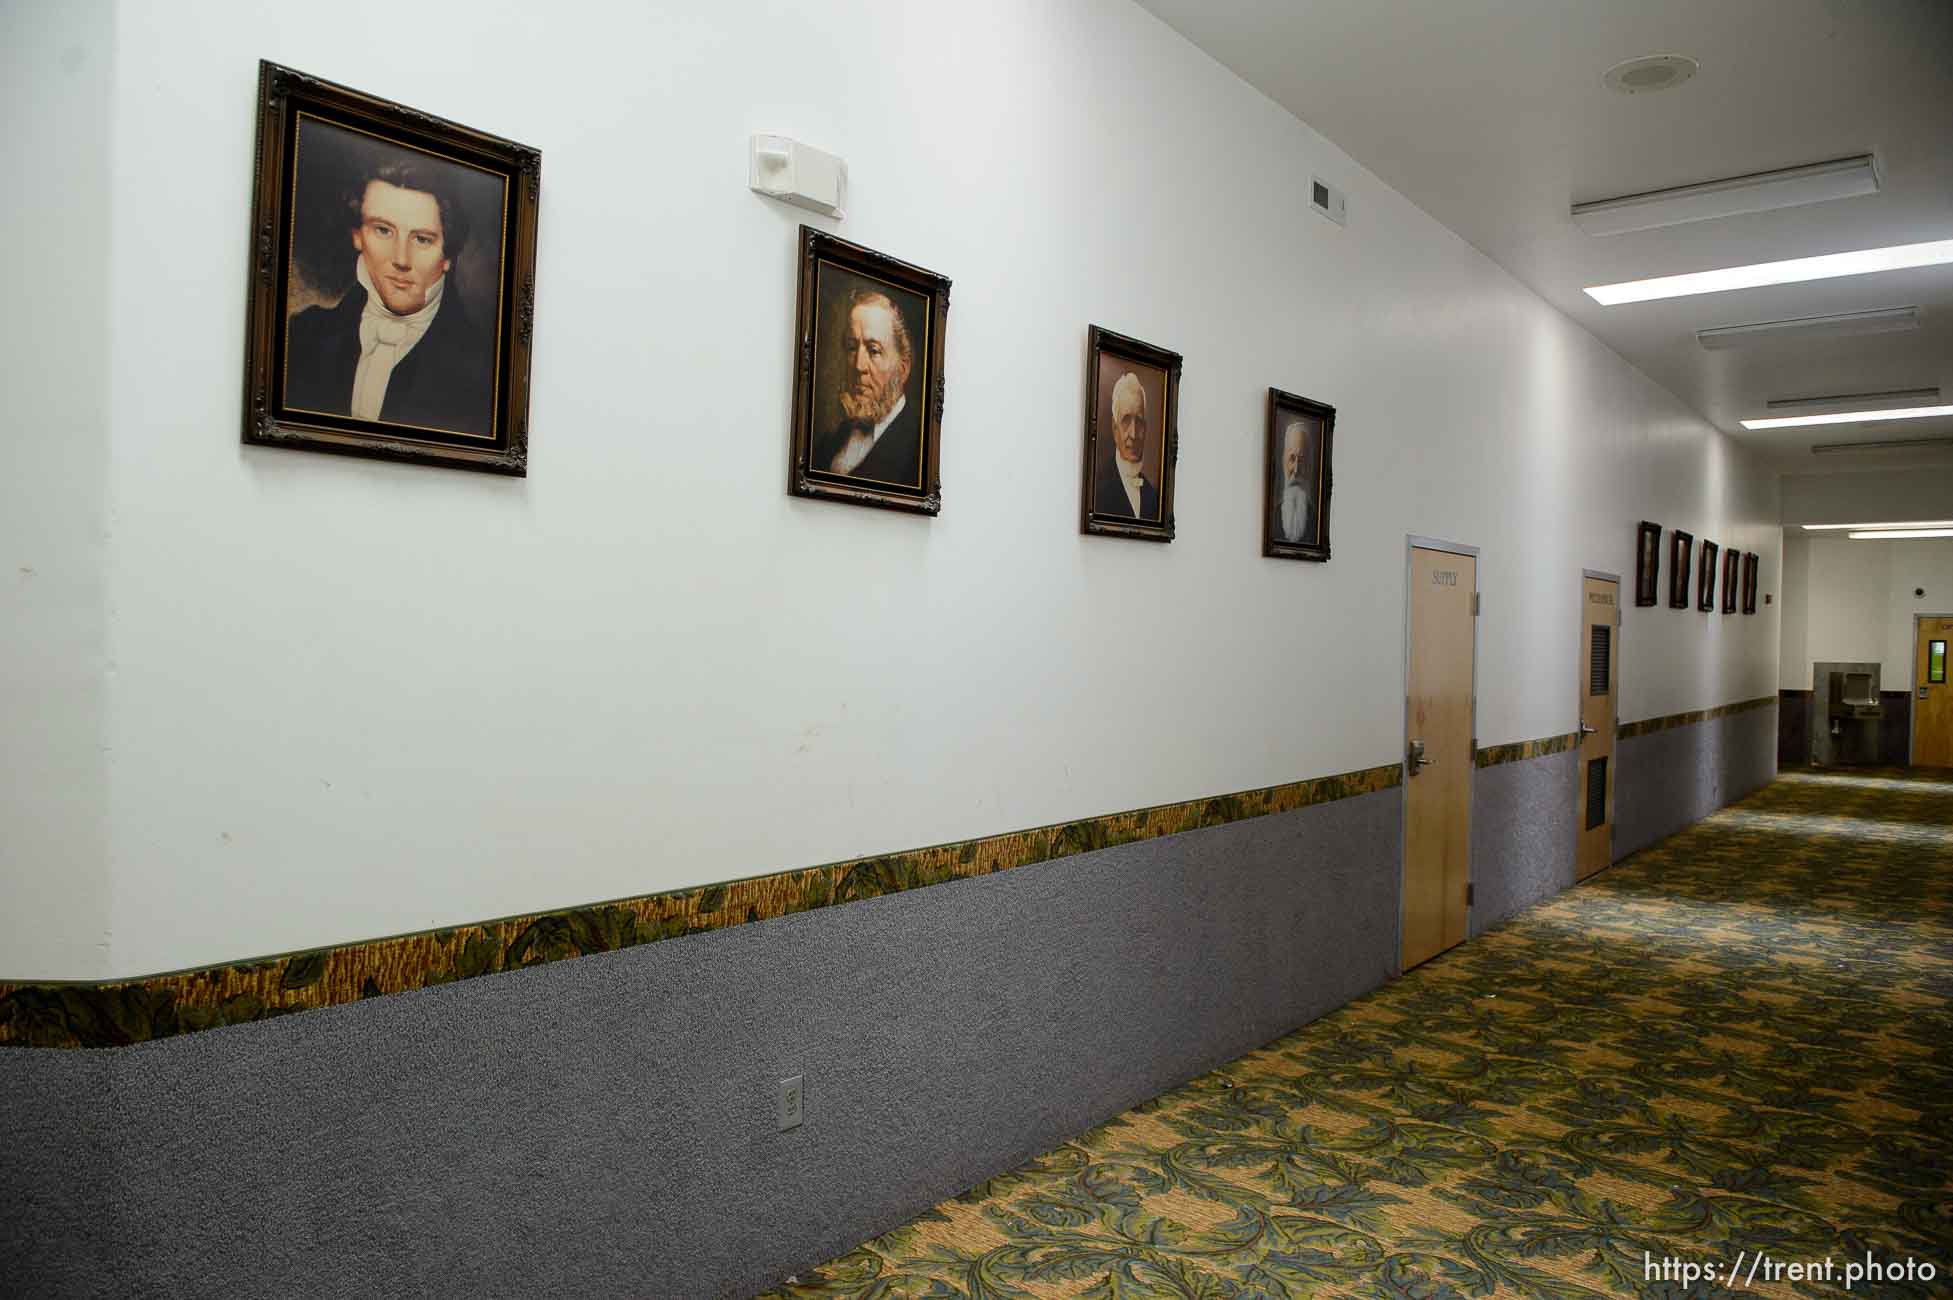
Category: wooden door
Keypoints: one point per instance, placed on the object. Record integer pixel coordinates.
(1932, 692)
(1600, 626)
(1438, 752)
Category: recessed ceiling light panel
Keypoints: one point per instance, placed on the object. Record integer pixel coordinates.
(1649, 73)
(1850, 417)
(1900, 534)
(1864, 261)
(1791, 187)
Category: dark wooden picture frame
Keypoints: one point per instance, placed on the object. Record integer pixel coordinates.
(1751, 562)
(1732, 570)
(1705, 598)
(1647, 563)
(1681, 549)
(1297, 527)
(874, 439)
(1152, 374)
(458, 305)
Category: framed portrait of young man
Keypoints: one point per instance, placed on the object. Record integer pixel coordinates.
(1681, 549)
(868, 389)
(1296, 475)
(1647, 563)
(392, 281)
(1132, 438)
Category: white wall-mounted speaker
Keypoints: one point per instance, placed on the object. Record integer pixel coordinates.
(805, 177)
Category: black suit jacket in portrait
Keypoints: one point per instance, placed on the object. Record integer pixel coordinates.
(895, 458)
(1110, 498)
(446, 382)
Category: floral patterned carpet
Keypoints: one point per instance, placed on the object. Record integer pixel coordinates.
(1732, 1051)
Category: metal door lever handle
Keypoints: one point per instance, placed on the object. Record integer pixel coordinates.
(1416, 757)
(1586, 730)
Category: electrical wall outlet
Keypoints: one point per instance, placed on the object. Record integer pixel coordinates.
(793, 1103)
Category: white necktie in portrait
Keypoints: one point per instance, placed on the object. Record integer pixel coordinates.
(1132, 478)
(384, 341)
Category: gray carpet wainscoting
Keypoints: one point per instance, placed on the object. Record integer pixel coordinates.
(1523, 835)
(1674, 778)
(607, 1126)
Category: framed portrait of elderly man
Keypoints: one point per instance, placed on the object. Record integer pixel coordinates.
(1132, 438)
(392, 281)
(1681, 548)
(1295, 522)
(868, 392)
(1647, 562)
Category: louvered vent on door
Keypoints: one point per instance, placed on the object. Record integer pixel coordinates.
(1596, 793)
(1603, 647)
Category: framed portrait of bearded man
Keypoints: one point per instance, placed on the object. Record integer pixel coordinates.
(868, 389)
(1295, 519)
(392, 279)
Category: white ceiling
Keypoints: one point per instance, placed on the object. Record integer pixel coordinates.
(1491, 115)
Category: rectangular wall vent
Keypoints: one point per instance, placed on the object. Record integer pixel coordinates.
(1328, 200)
(1596, 794)
(1598, 670)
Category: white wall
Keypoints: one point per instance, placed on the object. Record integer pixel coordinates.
(1856, 604)
(56, 86)
(355, 698)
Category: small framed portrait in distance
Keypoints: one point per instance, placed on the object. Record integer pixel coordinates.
(1705, 599)
(392, 281)
(1647, 563)
(1132, 439)
(1681, 549)
(1750, 563)
(1731, 572)
(1296, 470)
(868, 390)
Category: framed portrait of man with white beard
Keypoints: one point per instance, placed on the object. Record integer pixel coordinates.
(393, 281)
(1295, 520)
(1132, 438)
(868, 392)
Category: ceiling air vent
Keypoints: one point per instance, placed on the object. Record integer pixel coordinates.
(1886, 320)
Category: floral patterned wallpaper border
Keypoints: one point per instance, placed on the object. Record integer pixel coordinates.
(114, 1014)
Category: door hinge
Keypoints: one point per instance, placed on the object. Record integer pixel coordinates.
(1468, 894)
(1475, 605)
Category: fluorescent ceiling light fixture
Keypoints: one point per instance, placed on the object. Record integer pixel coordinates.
(1850, 417)
(1857, 401)
(1904, 444)
(1887, 320)
(1828, 267)
(1841, 178)
(1911, 523)
(1900, 534)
